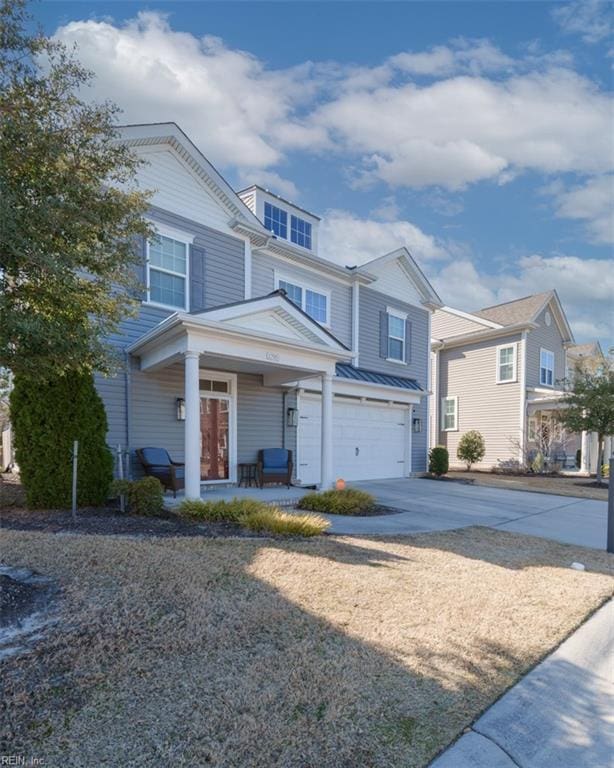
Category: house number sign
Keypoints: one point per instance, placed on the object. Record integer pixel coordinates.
(272, 356)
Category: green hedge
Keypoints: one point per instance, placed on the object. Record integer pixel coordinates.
(144, 496)
(349, 501)
(439, 460)
(47, 416)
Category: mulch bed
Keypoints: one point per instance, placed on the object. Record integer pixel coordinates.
(110, 522)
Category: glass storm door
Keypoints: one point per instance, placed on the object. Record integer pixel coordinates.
(215, 438)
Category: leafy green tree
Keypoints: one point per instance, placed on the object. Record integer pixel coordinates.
(471, 448)
(69, 211)
(47, 416)
(590, 406)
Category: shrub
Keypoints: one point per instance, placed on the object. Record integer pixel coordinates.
(273, 520)
(349, 501)
(144, 496)
(438, 460)
(219, 511)
(47, 416)
(471, 448)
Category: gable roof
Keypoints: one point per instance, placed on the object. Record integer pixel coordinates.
(150, 134)
(590, 349)
(413, 271)
(521, 310)
(526, 310)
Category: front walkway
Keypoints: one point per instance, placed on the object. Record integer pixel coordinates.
(270, 494)
(558, 716)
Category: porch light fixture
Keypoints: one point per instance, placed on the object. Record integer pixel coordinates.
(417, 425)
(292, 417)
(180, 402)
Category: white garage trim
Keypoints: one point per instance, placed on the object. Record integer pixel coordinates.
(372, 439)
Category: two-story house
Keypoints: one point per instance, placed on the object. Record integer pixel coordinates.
(246, 338)
(500, 371)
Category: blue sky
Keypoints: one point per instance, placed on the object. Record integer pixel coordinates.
(479, 134)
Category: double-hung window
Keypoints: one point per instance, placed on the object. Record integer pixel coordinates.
(167, 270)
(396, 336)
(449, 414)
(546, 368)
(276, 220)
(506, 363)
(300, 232)
(314, 303)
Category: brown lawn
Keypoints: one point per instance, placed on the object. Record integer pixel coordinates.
(561, 485)
(335, 652)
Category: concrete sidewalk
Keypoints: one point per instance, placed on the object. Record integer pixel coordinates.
(561, 715)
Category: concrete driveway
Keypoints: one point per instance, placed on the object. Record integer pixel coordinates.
(433, 505)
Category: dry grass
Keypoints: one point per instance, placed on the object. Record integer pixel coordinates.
(562, 485)
(275, 521)
(336, 652)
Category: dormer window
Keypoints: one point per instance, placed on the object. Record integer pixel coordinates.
(300, 232)
(276, 220)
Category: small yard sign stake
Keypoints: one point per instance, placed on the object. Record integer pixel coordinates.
(75, 455)
(120, 474)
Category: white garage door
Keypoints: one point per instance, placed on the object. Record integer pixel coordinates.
(370, 441)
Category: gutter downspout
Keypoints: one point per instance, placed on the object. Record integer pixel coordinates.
(523, 397)
(355, 320)
(429, 385)
(128, 408)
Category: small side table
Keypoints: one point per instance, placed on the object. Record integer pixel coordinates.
(248, 474)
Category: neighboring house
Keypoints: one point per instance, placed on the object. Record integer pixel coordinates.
(500, 371)
(247, 339)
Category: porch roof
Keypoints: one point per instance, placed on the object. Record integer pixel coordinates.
(268, 333)
(346, 371)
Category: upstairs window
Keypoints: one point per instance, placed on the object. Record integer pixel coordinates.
(300, 232)
(506, 364)
(396, 337)
(167, 268)
(314, 303)
(546, 368)
(276, 220)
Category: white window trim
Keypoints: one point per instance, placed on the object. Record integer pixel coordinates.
(180, 237)
(285, 278)
(443, 414)
(401, 316)
(290, 240)
(514, 379)
(231, 396)
(283, 210)
(550, 352)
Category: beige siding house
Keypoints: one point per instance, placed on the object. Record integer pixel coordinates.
(500, 371)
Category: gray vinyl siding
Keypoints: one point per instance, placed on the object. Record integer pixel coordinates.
(224, 258)
(259, 417)
(263, 282)
(446, 324)
(545, 337)
(469, 372)
(370, 305)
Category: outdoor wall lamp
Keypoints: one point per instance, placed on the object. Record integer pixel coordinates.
(292, 417)
(417, 425)
(180, 402)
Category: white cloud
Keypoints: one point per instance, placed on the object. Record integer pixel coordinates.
(591, 202)
(226, 100)
(592, 19)
(349, 240)
(460, 130)
(483, 116)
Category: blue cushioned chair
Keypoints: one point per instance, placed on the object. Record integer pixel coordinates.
(274, 466)
(157, 463)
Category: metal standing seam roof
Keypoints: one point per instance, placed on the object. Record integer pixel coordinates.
(347, 371)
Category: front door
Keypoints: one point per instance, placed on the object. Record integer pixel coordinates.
(215, 438)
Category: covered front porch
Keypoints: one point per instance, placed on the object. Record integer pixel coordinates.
(242, 355)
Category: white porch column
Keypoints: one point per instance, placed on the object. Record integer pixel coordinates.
(192, 426)
(326, 472)
(585, 453)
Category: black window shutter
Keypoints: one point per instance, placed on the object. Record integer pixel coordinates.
(383, 334)
(408, 341)
(140, 249)
(197, 279)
